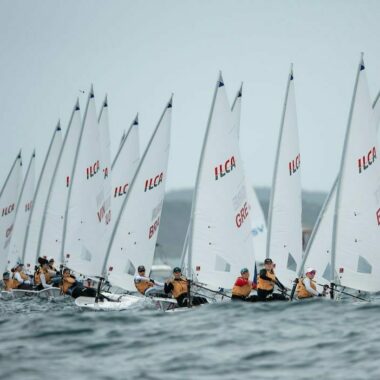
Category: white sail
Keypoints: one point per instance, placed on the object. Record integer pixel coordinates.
(318, 251)
(8, 205)
(356, 233)
(105, 145)
(50, 239)
(24, 206)
(220, 242)
(38, 207)
(258, 223)
(124, 166)
(84, 228)
(284, 243)
(134, 236)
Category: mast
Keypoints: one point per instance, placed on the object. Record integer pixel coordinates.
(57, 129)
(18, 157)
(76, 108)
(114, 230)
(342, 164)
(290, 78)
(219, 83)
(90, 96)
(124, 139)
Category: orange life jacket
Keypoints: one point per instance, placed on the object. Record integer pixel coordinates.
(301, 288)
(142, 286)
(265, 284)
(11, 284)
(179, 287)
(37, 276)
(241, 291)
(67, 283)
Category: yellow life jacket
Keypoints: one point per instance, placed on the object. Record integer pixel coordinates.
(142, 286)
(37, 276)
(179, 287)
(301, 288)
(241, 291)
(11, 284)
(67, 283)
(265, 284)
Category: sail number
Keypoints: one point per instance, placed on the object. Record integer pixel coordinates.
(7, 210)
(242, 215)
(294, 165)
(367, 160)
(222, 169)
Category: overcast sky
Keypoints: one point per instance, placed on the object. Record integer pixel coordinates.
(141, 51)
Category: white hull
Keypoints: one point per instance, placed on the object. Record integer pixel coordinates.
(18, 293)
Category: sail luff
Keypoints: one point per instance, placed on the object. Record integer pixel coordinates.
(125, 201)
(195, 195)
(76, 108)
(342, 165)
(27, 235)
(90, 96)
(273, 190)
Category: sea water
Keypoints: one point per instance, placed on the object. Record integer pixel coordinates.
(42, 339)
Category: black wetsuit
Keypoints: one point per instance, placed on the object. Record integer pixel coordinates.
(182, 299)
(268, 295)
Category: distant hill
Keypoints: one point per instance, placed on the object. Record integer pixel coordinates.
(176, 214)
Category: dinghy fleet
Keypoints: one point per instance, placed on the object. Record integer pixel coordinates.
(97, 219)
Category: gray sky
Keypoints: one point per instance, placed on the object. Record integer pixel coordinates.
(141, 51)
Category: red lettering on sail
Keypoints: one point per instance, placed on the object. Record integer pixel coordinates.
(294, 165)
(28, 206)
(7, 210)
(242, 215)
(153, 228)
(92, 170)
(105, 171)
(153, 182)
(378, 216)
(367, 160)
(67, 181)
(120, 190)
(8, 231)
(222, 169)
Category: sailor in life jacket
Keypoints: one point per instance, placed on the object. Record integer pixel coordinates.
(143, 283)
(70, 286)
(55, 275)
(9, 283)
(306, 286)
(42, 276)
(243, 287)
(266, 281)
(178, 286)
(21, 277)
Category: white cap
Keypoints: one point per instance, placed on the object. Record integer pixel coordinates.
(308, 270)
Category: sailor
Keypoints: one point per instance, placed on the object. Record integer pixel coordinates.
(9, 283)
(143, 283)
(178, 286)
(42, 276)
(54, 273)
(74, 288)
(306, 286)
(266, 281)
(243, 287)
(21, 277)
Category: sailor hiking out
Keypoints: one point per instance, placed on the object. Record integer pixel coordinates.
(243, 287)
(266, 282)
(178, 286)
(9, 283)
(306, 286)
(24, 281)
(143, 283)
(74, 288)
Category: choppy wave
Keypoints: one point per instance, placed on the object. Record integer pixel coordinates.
(327, 340)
